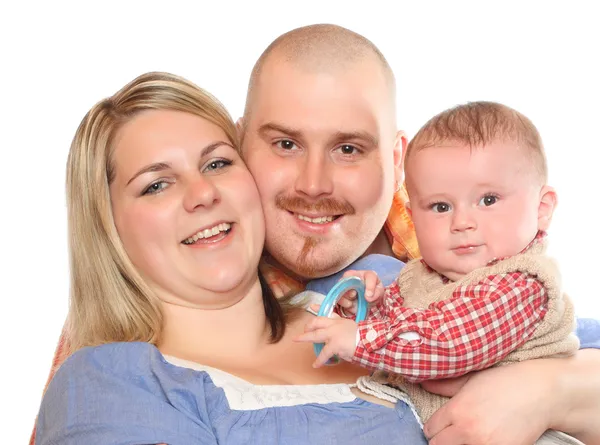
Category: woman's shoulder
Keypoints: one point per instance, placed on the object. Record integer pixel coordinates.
(119, 369)
(126, 368)
(123, 356)
(97, 385)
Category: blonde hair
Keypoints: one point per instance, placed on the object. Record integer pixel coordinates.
(109, 299)
(477, 124)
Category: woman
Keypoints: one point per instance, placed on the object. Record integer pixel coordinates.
(177, 338)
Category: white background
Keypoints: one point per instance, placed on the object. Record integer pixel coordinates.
(58, 59)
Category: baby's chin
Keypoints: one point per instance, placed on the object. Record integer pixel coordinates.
(458, 271)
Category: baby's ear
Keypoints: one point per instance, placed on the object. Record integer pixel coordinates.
(548, 202)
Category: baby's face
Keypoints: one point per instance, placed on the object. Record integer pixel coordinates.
(470, 206)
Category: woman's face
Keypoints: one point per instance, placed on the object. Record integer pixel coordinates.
(186, 209)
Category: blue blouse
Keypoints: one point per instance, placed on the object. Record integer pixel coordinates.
(129, 393)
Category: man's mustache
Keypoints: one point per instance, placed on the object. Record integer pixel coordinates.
(330, 206)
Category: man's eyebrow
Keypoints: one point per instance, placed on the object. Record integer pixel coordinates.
(161, 166)
(368, 138)
(271, 126)
(338, 136)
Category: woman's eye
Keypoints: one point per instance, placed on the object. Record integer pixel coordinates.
(217, 164)
(155, 188)
(440, 207)
(488, 200)
(286, 144)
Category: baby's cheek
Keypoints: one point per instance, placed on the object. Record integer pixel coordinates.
(432, 251)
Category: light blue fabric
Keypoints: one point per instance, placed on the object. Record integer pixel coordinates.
(588, 331)
(127, 393)
(388, 269)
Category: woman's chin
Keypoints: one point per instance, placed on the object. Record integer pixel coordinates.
(228, 282)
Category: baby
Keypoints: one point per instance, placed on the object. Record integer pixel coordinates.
(484, 292)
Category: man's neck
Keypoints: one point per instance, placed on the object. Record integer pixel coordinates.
(381, 246)
(270, 260)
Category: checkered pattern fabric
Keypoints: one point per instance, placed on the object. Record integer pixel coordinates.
(476, 328)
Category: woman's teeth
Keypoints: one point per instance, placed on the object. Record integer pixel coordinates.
(207, 233)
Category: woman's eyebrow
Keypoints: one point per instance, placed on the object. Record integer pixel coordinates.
(156, 167)
(161, 166)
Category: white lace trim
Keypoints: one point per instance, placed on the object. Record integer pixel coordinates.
(243, 395)
(375, 386)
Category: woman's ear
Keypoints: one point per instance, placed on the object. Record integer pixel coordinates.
(548, 202)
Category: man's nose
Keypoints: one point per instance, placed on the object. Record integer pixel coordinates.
(314, 176)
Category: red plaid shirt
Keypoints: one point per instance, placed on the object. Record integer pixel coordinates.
(476, 328)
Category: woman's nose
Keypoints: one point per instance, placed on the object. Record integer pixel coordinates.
(201, 192)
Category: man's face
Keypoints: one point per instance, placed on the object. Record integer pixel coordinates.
(322, 149)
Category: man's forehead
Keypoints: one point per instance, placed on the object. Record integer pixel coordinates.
(294, 97)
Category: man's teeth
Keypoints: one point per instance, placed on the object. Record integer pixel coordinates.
(207, 233)
(319, 220)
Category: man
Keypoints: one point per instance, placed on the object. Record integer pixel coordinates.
(319, 135)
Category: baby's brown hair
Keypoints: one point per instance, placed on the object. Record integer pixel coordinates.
(477, 124)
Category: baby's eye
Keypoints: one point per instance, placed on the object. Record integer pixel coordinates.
(488, 200)
(440, 207)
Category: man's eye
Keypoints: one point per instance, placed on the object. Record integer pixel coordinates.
(348, 149)
(488, 200)
(440, 207)
(286, 144)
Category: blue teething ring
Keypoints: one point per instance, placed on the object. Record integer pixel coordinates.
(343, 286)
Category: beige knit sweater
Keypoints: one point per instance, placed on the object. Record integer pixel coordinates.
(555, 336)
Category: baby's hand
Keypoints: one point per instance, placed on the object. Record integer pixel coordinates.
(374, 290)
(338, 334)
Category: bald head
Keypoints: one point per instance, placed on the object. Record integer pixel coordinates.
(320, 49)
